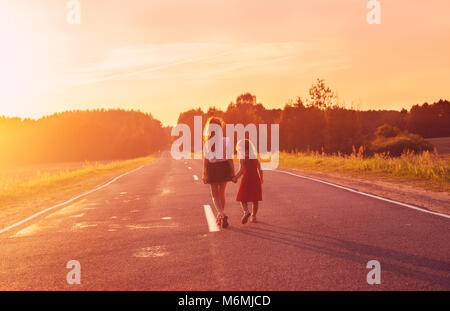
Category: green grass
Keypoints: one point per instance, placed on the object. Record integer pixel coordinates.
(34, 184)
(426, 170)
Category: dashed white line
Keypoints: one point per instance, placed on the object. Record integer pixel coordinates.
(189, 168)
(195, 177)
(211, 219)
(68, 201)
(369, 195)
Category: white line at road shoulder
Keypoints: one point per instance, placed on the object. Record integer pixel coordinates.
(369, 195)
(69, 201)
(211, 219)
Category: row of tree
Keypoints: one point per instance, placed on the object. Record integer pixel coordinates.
(320, 123)
(81, 135)
(316, 123)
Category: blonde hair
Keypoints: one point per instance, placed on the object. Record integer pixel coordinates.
(244, 147)
(212, 120)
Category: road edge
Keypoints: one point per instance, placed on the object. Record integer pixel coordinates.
(355, 189)
(21, 222)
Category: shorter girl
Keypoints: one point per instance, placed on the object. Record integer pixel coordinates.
(250, 188)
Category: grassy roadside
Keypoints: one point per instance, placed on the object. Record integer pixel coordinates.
(427, 171)
(49, 186)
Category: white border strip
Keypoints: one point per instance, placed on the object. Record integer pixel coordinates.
(69, 201)
(211, 219)
(369, 195)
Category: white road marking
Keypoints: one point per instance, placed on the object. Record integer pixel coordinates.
(189, 168)
(134, 227)
(195, 177)
(138, 227)
(211, 219)
(69, 201)
(152, 251)
(166, 191)
(27, 231)
(83, 225)
(369, 195)
(77, 216)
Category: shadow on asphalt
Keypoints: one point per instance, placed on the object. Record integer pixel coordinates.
(353, 251)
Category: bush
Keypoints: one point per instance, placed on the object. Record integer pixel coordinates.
(387, 131)
(395, 146)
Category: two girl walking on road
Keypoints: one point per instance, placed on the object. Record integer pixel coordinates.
(218, 170)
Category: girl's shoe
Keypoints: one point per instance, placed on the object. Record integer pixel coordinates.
(225, 222)
(253, 219)
(219, 220)
(245, 217)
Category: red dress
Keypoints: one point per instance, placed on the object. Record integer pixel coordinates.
(250, 189)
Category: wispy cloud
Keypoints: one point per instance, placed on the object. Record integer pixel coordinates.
(192, 60)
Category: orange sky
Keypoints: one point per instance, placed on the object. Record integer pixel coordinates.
(166, 56)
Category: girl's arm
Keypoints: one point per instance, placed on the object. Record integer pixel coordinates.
(260, 172)
(205, 163)
(241, 169)
(232, 165)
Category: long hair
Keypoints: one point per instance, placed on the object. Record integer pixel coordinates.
(246, 149)
(207, 130)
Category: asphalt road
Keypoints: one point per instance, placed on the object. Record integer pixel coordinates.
(149, 231)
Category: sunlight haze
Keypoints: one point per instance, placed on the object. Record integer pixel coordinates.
(167, 56)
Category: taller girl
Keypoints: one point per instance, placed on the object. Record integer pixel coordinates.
(217, 169)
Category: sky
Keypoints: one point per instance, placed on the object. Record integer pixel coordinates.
(168, 56)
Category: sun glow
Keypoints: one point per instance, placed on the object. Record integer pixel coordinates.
(16, 62)
(143, 56)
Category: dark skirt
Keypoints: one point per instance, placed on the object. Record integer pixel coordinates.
(218, 172)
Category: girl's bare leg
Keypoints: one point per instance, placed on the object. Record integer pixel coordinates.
(222, 187)
(246, 213)
(215, 193)
(244, 207)
(255, 208)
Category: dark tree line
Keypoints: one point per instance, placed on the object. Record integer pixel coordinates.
(316, 123)
(430, 120)
(319, 123)
(81, 135)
